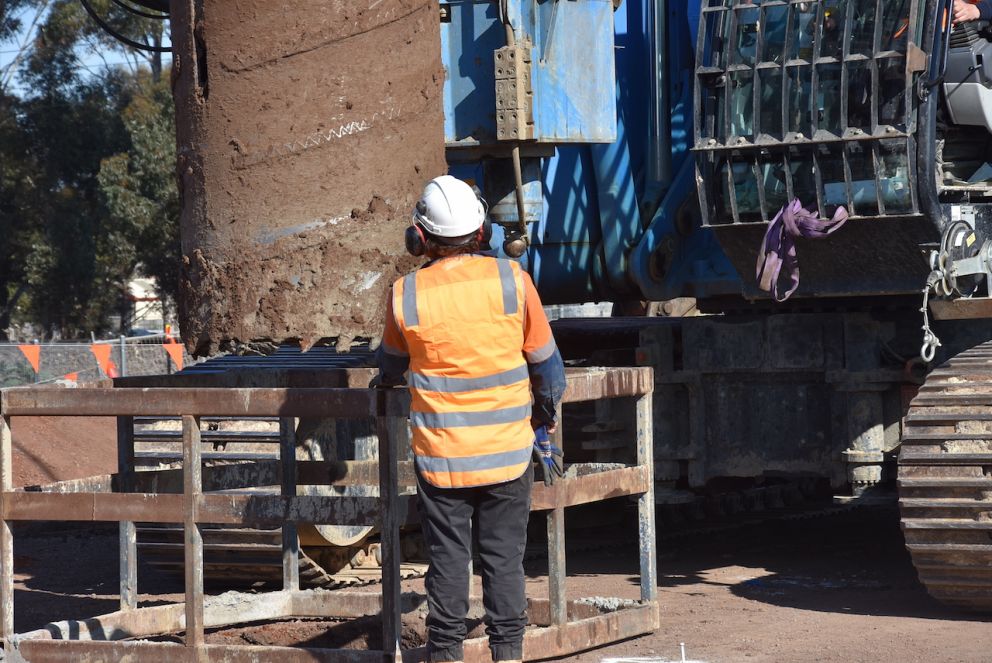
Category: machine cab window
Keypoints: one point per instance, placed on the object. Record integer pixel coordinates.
(822, 101)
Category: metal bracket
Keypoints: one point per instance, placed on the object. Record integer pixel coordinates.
(916, 59)
(514, 93)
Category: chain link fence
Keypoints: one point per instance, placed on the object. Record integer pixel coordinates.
(144, 355)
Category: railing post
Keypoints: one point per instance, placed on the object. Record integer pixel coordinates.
(645, 503)
(391, 430)
(556, 546)
(192, 489)
(290, 540)
(6, 539)
(128, 541)
(123, 356)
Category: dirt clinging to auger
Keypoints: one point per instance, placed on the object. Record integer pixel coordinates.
(305, 134)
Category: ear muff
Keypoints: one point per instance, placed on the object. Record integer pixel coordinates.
(415, 241)
(485, 234)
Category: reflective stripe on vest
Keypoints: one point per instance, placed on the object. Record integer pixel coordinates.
(452, 385)
(410, 300)
(462, 318)
(486, 462)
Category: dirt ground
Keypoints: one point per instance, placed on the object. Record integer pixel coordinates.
(49, 449)
(838, 588)
(827, 588)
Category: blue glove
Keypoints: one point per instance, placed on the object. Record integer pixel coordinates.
(548, 456)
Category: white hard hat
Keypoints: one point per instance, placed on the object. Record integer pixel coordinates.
(449, 208)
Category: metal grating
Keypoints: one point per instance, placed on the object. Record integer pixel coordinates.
(287, 357)
(808, 100)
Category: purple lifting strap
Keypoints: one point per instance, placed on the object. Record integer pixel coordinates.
(779, 246)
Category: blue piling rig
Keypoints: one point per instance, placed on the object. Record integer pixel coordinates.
(608, 177)
(659, 141)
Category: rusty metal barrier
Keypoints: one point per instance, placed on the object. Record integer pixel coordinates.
(558, 627)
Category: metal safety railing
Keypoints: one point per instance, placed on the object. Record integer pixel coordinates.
(559, 627)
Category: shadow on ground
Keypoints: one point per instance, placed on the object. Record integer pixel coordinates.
(853, 562)
(848, 563)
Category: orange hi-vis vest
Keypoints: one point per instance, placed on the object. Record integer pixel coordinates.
(463, 321)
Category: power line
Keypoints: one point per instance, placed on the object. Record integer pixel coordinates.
(127, 40)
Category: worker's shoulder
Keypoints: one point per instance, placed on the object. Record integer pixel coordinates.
(465, 263)
(398, 282)
(491, 257)
(504, 266)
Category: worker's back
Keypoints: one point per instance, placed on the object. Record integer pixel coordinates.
(469, 309)
(463, 320)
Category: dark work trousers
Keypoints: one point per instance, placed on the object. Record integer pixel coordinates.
(501, 513)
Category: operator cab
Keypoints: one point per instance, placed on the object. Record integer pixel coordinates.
(807, 100)
(964, 119)
(880, 106)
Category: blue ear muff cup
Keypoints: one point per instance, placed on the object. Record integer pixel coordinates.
(415, 241)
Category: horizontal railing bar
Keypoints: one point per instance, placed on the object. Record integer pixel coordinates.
(93, 507)
(140, 421)
(233, 455)
(325, 403)
(250, 436)
(213, 509)
(100, 635)
(278, 509)
(58, 651)
(591, 384)
(165, 507)
(568, 638)
(572, 491)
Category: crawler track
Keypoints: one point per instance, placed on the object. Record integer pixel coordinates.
(945, 481)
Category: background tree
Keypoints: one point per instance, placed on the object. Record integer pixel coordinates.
(139, 189)
(87, 189)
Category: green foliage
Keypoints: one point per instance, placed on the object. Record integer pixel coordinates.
(14, 373)
(10, 21)
(87, 185)
(75, 284)
(139, 188)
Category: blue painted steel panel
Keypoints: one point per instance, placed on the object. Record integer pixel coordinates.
(467, 45)
(573, 71)
(564, 242)
(589, 193)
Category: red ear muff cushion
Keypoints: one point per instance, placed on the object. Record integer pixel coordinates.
(485, 233)
(415, 241)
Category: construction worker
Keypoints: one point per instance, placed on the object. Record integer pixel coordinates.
(972, 11)
(484, 376)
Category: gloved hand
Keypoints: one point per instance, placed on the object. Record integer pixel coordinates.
(548, 456)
